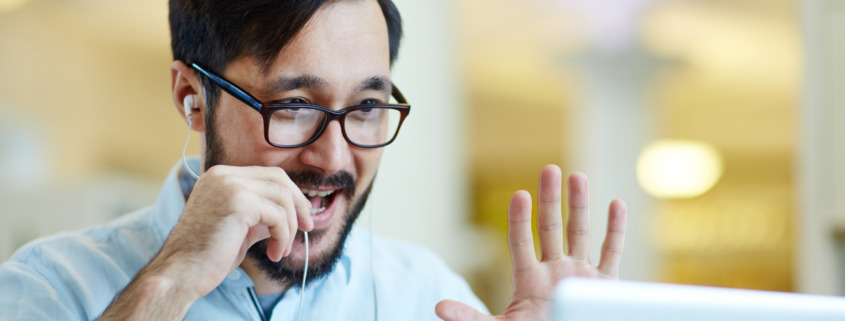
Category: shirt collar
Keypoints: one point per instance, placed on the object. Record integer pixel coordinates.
(171, 200)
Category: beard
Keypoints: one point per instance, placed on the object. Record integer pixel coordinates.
(286, 272)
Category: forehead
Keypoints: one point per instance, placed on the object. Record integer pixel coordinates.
(344, 43)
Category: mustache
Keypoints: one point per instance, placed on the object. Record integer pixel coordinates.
(341, 180)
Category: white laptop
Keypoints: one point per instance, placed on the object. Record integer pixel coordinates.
(600, 300)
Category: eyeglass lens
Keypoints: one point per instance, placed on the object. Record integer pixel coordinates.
(367, 127)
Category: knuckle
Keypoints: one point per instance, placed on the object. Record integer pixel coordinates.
(227, 181)
(283, 234)
(551, 227)
(278, 210)
(240, 196)
(545, 198)
(512, 220)
(291, 214)
(277, 174)
(578, 205)
(555, 256)
(616, 231)
(249, 218)
(280, 171)
(216, 170)
(579, 232)
(522, 242)
(612, 251)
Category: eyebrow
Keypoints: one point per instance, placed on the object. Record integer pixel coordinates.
(378, 83)
(308, 81)
(299, 82)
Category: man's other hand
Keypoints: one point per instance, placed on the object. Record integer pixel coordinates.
(534, 280)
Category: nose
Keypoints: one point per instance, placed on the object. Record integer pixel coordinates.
(330, 153)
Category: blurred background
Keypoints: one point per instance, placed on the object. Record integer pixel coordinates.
(718, 121)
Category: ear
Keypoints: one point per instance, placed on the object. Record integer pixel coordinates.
(184, 83)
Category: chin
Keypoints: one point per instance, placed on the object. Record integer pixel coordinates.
(320, 243)
(326, 243)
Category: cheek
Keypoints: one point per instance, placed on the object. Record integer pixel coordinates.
(366, 164)
(241, 131)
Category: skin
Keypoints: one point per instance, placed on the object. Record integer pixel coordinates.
(533, 279)
(343, 58)
(251, 198)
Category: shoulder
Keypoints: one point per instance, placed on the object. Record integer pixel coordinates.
(407, 269)
(400, 257)
(411, 258)
(78, 271)
(124, 237)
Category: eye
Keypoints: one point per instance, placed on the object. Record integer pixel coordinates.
(293, 101)
(370, 102)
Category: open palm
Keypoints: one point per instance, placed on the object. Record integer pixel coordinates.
(535, 280)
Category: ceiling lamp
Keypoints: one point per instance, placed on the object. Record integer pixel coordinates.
(678, 168)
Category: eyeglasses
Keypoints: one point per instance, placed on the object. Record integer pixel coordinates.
(293, 125)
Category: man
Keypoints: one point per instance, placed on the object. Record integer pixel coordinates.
(264, 81)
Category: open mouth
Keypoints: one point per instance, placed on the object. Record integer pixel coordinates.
(320, 199)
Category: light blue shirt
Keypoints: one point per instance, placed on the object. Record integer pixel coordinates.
(74, 276)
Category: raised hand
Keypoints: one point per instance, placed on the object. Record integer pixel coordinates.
(534, 280)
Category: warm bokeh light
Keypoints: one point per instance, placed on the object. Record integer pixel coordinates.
(678, 168)
(9, 5)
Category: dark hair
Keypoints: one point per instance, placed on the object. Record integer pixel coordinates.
(213, 33)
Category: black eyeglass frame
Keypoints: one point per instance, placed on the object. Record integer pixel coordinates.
(340, 115)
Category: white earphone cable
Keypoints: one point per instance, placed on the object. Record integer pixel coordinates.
(373, 263)
(194, 174)
(184, 161)
(304, 277)
(305, 269)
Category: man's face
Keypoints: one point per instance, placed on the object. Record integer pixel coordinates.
(328, 63)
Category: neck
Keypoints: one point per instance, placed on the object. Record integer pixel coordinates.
(263, 283)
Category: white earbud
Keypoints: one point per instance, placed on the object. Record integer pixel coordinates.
(188, 104)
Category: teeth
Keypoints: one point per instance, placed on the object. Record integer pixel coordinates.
(312, 193)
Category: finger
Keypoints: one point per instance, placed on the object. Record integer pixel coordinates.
(614, 242)
(449, 310)
(297, 204)
(292, 225)
(302, 205)
(274, 184)
(549, 221)
(303, 212)
(281, 235)
(578, 227)
(269, 214)
(520, 238)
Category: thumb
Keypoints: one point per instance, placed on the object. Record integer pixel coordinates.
(449, 310)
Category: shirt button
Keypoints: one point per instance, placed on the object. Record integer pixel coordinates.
(235, 275)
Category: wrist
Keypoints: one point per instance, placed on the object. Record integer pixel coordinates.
(160, 278)
(152, 295)
(159, 290)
